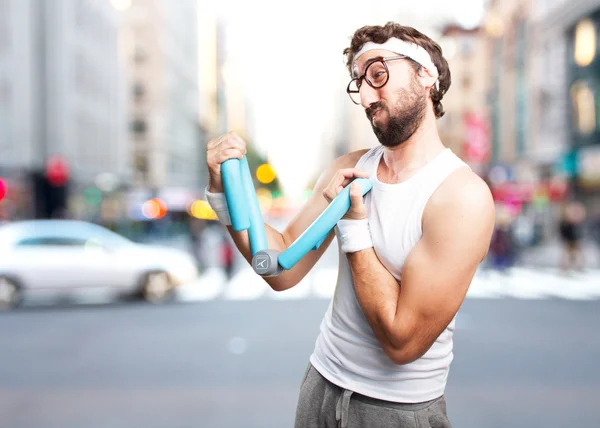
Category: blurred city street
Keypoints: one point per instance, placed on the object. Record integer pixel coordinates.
(519, 363)
(232, 353)
(125, 301)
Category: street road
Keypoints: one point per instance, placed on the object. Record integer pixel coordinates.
(238, 363)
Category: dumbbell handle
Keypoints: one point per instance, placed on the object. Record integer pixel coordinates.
(313, 237)
(245, 214)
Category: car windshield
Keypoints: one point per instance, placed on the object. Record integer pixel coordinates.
(13, 234)
(104, 236)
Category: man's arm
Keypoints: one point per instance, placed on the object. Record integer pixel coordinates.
(312, 209)
(407, 318)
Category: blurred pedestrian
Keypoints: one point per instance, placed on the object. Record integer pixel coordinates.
(409, 250)
(571, 235)
(502, 245)
(227, 256)
(196, 227)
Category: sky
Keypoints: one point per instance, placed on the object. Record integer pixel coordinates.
(289, 59)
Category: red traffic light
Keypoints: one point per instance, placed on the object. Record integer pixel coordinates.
(3, 189)
(57, 171)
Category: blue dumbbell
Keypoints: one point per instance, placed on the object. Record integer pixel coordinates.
(245, 215)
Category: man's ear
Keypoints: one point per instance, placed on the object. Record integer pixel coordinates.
(426, 78)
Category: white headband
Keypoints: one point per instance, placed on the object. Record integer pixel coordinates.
(400, 47)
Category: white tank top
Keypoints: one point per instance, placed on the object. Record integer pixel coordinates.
(347, 352)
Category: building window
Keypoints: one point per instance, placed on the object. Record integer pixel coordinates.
(584, 108)
(141, 163)
(5, 21)
(585, 43)
(139, 91)
(467, 46)
(466, 82)
(139, 126)
(139, 54)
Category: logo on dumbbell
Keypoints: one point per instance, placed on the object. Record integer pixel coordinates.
(261, 263)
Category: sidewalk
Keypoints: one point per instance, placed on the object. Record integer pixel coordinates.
(549, 255)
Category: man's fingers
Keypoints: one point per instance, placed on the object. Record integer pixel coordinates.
(214, 143)
(224, 155)
(340, 180)
(352, 172)
(346, 176)
(357, 205)
(329, 194)
(227, 141)
(355, 193)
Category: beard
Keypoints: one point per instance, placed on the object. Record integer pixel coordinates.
(404, 120)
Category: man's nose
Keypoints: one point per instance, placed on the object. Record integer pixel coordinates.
(368, 95)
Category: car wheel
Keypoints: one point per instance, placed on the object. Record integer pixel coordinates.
(157, 287)
(10, 294)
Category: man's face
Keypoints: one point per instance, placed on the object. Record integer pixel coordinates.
(395, 110)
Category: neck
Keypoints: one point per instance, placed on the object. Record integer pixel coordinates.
(400, 162)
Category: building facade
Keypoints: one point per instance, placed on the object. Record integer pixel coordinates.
(464, 128)
(160, 40)
(60, 86)
(581, 159)
(545, 82)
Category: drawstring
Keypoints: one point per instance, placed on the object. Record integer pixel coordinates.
(341, 409)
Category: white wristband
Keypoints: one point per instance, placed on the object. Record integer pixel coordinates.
(355, 235)
(218, 203)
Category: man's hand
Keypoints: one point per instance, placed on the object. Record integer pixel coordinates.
(341, 179)
(219, 150)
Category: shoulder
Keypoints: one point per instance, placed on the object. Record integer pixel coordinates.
(349, 160)
(463, 188)
(461, 205)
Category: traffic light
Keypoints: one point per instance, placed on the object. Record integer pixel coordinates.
(57, 171)
(50, 200)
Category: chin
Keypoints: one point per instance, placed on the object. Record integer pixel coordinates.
(379, 126)
(380, 122)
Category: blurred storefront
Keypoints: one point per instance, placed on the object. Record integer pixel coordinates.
(583, 80)
(16, 197)
(544, 85)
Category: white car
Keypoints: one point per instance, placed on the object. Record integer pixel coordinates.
(66, 255)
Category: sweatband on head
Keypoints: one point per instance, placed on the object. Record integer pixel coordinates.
(218, 203)
(411, 50)
(355, 235)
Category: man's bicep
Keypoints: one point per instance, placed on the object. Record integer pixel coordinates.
(439, 270)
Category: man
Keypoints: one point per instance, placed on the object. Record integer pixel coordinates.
(408, 251)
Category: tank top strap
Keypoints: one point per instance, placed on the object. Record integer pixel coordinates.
(438, 172)
(369, 161)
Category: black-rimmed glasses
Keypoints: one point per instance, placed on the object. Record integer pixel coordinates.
(376, 75)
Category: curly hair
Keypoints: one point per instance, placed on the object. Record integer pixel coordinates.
(380, 34)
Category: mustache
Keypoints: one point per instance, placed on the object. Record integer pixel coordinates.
(370, 111)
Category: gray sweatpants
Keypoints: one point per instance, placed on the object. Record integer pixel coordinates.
(324, 405)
